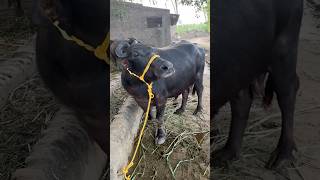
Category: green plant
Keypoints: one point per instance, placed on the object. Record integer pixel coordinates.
(181, 29)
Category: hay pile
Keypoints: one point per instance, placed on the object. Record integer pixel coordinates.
(29, 107)
(14, 31)
(185, 153)
(27, 112)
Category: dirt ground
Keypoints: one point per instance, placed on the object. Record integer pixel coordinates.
(263, 128)
(185, 154)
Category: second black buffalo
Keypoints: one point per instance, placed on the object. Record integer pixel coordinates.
(179, 67)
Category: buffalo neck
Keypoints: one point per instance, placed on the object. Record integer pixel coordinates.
(134, 86)
(87, 21)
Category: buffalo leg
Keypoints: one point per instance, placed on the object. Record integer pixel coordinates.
(144, 106)
(198, 85)
(286, 83)
(286, 144)
(240, 107)
(268, 94)
(184, 102)
(160, 135)
(175, 101)
(151, 114)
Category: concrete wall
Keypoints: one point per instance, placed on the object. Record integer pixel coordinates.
(123, 131)
(131, 21)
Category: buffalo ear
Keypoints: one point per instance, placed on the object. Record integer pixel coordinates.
(132, 41)
(44, 11)
(38, 17)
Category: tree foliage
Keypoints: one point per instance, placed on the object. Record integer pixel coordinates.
(198, 4)
(207, 9)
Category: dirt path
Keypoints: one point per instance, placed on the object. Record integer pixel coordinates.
(260, 141)
(185, 155)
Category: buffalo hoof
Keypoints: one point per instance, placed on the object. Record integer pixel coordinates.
(179, 111)
(223, 157)
(160, 136)
(150, 117)
(175, 103)
(199, 109)
(280, 159)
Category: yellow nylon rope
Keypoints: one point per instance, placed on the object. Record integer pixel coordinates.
(125, 170)
(148, 66)
(100, 52)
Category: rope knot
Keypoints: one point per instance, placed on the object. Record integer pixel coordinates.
(101, 51)
(151, 95)
(125, 171)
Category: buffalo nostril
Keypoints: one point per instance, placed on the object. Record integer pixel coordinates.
(165, 68)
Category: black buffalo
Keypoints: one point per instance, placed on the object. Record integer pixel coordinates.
(179, 67)
(75, 76)
(249, 39)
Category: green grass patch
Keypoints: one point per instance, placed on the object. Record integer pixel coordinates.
(181, 29)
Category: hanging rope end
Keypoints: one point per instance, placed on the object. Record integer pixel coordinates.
(125, 171)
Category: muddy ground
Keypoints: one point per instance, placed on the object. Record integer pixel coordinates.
(261, 137)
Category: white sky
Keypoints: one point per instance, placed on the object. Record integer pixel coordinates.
(187, 13)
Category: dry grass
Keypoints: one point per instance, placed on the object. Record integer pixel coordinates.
(260, 139)
(26, 114)
(14, 31)
(254, 152)
(29, 107)
(184, 152)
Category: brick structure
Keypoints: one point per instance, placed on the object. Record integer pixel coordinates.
(147, 24)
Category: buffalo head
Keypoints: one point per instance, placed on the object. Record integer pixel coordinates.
(134, 55)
